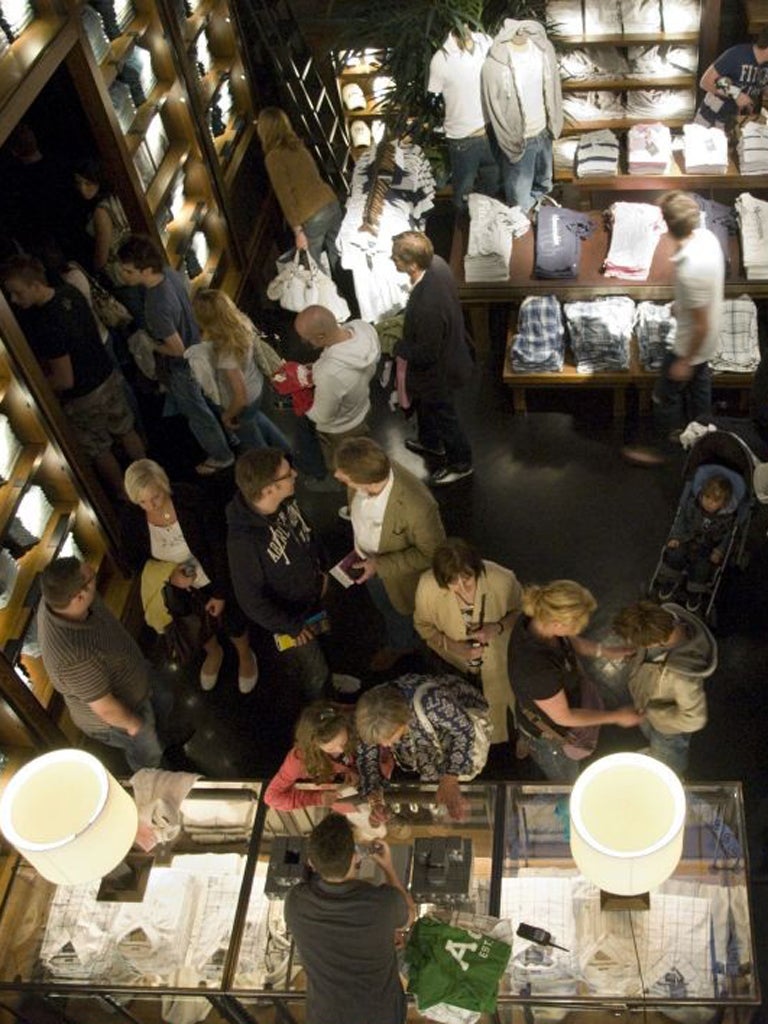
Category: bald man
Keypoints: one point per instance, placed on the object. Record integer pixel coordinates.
(342, 374)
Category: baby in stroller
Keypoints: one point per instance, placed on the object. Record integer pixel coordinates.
(700, 535)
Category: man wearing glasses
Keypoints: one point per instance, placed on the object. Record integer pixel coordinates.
(277, 563)
(96, 665)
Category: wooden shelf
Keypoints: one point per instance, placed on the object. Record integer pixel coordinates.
(674, 177)
(757, 15)
(10, 493)
(162, 181)
(619, 123)
(25, 55)
(625, 39)
(144, 115)
(120, 46)
(14, 618)
(625, 84)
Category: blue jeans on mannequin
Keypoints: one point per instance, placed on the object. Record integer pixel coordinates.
(472, 160)
(530, 177)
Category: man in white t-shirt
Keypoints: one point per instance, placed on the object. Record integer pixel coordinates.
(454, 74)
(683, 391)
(341, 375)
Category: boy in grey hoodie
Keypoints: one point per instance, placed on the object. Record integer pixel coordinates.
(341, 375)
(676, 653)
(523, 101)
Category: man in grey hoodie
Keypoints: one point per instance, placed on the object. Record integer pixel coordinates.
(341, 375)
(523, 101)
(676, 653)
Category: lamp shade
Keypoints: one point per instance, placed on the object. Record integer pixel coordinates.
(627, 819)
(68, 817)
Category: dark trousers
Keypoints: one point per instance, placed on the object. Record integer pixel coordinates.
(439, 427)
(676, 403)
(694, 560)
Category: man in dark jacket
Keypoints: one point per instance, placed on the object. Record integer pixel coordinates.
(277, 563)
(434, 343)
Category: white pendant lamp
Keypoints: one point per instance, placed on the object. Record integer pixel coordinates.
(627, 819)
(68, 817)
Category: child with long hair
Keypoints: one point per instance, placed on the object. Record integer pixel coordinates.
(232, 336)
(323, 753)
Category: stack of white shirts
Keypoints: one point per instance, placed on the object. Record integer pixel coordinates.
(662, 61)
(597, 154)
(649, 148)
(595, 105)
(10, 446)
(661, 103)
(637, 228)
(753, 227)
(738, 350)
(608, 17)
(600, 332)
(705, 150)
(681, 15)
(492, 226)
(564, 154)
(596, 62)
(752, 148)
(565, 17)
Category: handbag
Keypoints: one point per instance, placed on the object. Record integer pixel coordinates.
(190, 625)
(107, 308)
(479, 716)
(295, 286)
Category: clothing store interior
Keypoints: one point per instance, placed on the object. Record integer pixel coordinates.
(435, 412)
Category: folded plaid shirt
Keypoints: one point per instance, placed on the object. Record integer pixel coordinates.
(655, 332)
(739, 350)
(600, 331)
(539, 345)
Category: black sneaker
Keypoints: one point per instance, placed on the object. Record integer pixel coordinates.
(421, 449)
(693, 603)
(667, 589)
(449, 475)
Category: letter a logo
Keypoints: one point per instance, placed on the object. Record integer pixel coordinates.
(458, 949)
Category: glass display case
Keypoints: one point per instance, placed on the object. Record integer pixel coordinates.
(209, 941)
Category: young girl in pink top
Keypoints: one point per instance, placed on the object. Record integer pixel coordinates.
(323, 754)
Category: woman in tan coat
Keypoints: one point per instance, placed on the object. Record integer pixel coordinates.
(309, 204)
(465, 608)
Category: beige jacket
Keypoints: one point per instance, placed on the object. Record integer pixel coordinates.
(411, 532)
(438, 616)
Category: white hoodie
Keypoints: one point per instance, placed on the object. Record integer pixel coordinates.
(341, 377)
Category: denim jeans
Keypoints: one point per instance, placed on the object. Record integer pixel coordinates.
(399, 628)
(306, 666)
(676, 403)
(256, 430)
(191, 403)
(142, 750)
(309, 452)
(530, 177)
(439, 427)
(671, 750)
(549, 757)
(322, 229)
(693, 559)
(471, 159)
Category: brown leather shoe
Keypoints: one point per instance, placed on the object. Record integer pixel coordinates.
(645, 457)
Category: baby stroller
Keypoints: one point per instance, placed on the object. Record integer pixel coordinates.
(722, 453)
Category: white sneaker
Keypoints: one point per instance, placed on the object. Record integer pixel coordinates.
(246, 683)
(345, 684)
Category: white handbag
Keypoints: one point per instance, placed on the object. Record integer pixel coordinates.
(295, 286)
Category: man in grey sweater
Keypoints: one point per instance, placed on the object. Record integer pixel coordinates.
(96, 665)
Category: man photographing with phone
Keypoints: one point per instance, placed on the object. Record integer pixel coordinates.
(345, 928)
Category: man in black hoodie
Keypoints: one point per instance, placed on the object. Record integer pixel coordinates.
(276, 561)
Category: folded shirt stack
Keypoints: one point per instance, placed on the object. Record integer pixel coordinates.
(10, 447)
(649, 148)
(752, 148)
(596, 62)
(662, 61)
(681, 15)
(595, 105)
(608, 17)
(566, 17)
(539, 344)
(492, 226)
(558, 241)
(739, 348)
(753, 227)
(680, 103)
(597, 154)
(564, 154)
(636, 229)
(600, 331)
(705, 150)
(721, 220)
(655, 332)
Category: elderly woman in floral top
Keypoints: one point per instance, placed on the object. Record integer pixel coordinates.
(424, 725)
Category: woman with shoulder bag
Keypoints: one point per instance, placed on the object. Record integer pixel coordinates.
(559, 710)
(180, 537)
(240, 364)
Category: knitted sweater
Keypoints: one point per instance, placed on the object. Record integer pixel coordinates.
(298, 186)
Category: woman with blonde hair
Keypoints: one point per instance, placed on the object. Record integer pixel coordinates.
(559, 710)
(324, 754)
(309, 204)
(174, 535)
(241, 360)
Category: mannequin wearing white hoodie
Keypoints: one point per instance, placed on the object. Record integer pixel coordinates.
(522, 99)
(341, 375)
